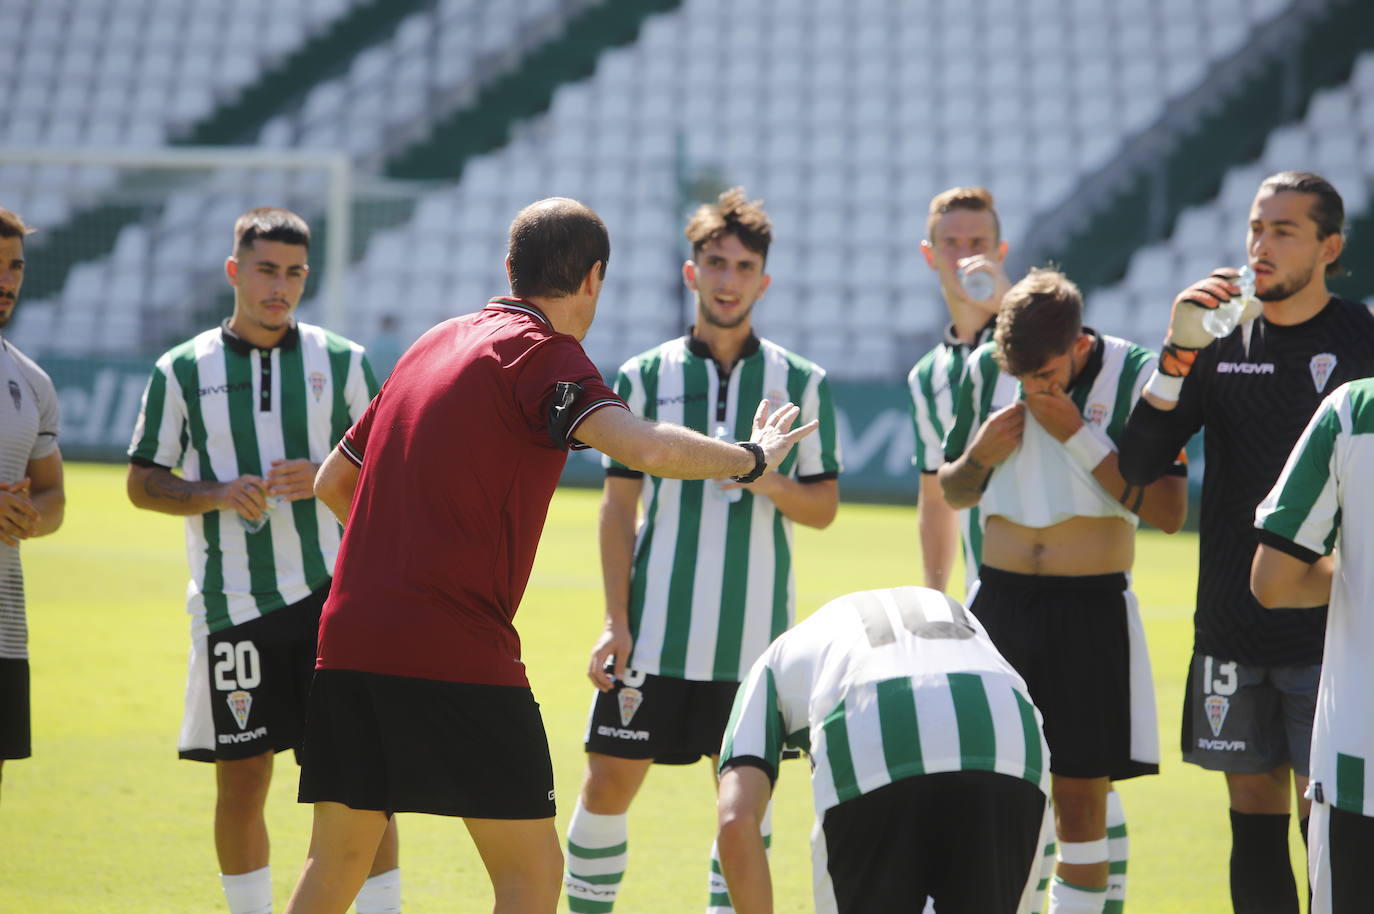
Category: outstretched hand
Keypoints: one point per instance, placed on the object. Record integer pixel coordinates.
(774, 433)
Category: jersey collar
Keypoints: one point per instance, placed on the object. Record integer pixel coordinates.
(241, 346)
(520, 306)
(1091, 368)
(979, 338)
(702, 350)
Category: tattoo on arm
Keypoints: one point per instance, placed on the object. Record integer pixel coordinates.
(972, 478)
(166, 486)
(1139, 500)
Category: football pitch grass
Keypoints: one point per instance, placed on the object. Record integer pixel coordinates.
(105, 818)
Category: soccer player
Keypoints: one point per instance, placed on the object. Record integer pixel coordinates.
(246, 411)
(1322, 503)
(929, 766)
(1253, 679)
(963, 231)
(32, 498)
(706, 583)
(1034, 442)
(445, 483)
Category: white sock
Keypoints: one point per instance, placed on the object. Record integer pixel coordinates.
(1066, 898)
(1118, 852)
(380, 894)
(249, 893)
(718, 900)
(598, 852)
(1049, 852)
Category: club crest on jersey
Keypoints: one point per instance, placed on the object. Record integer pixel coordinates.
(777, 398)
(1097, 413)
(630, 700)
(317, 384)
(240, 702)
(1217, 706)
(15, 393)
(1321, 366)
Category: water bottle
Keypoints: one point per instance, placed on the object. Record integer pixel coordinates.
(727, 495)
(253, 526)
(978, 284)
(1221, 320)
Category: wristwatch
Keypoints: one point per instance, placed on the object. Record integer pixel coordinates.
(759, 463)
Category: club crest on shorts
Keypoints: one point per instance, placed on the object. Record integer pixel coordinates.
(317, 384)
(1217, 706)
(630, 700)
(1321, 366)
(1097, 413)
(240, 702)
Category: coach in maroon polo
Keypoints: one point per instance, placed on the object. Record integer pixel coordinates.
(444, 484)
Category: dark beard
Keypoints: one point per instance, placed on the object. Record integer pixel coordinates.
(1283, 290)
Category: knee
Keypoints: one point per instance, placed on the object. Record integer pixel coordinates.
(1259, 793)
(537, 879)
(244, 780)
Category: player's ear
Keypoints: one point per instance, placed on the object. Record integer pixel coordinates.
(689, 274)
(231, 270)
(1332, 245)
(1002, 248)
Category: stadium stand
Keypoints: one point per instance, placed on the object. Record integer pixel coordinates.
(844, 116)
(1335, 139)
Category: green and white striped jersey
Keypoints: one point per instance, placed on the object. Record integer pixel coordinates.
(218, 408)
(933, 384)
(1324, 502)
(711, 583)
(1040, 484)
(882, 685)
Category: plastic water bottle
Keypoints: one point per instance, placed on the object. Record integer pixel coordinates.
(726, 495)
(978, 284)
(1221, 320)
(253, 526)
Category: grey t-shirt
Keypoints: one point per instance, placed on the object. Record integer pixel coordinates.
(29, 420)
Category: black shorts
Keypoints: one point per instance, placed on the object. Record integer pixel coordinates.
(1068, 638)
(247, 687)
(672, 721)
(14, 709)
(968, 839)
(398, 744)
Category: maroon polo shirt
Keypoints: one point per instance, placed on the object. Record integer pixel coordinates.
(458, 464)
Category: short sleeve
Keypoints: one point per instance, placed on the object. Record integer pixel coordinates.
(1303, 508)
(925, 419)
(818, 454)
(632, 392)
(159, 437)
(548, 362)
(354, 443)
(756, 731)
(980, 374)
(49, 411)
